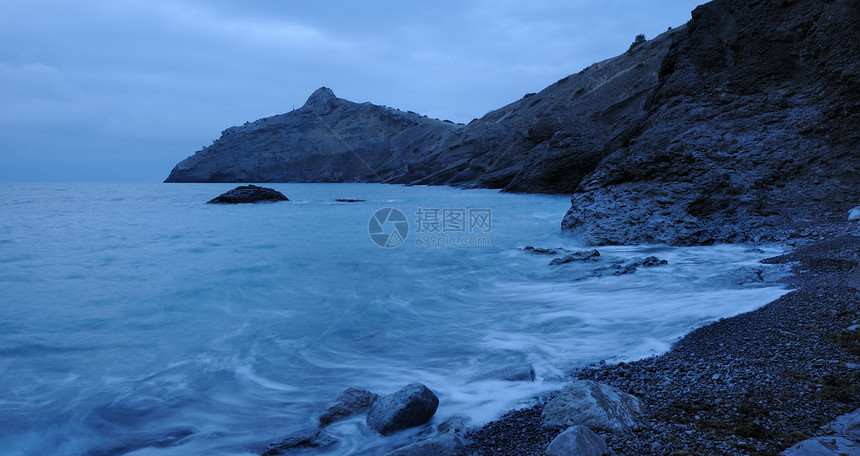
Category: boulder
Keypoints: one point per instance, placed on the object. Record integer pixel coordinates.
(412, 406)
(515, 373)
(577, 441)
(301, 440)
(443, 445)
(847, 425)
(455, 424)
(351, 401)
(588, 403)
(586, 255)
(854, 214)
(249, 194)
(824, 446)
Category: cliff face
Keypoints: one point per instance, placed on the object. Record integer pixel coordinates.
(545, 142)
(752, 131)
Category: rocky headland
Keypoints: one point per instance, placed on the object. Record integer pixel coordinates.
(741, 126)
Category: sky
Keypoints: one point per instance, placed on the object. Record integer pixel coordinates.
(122, 90)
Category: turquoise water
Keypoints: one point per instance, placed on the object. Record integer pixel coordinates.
(134, 319)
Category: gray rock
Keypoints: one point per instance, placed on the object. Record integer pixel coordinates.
(629, 267)
(412, 406)
(585, 255)
(854, 214)
(455, 424)
(588, 403)
(249, 194)
(443, 445)
(351, 401)
(847, 425)
(301, 440)
(540, 250)
(825, 446)
(577, 441)
(515, 373)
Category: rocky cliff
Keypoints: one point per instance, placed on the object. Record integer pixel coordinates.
(742, 125)
(751, 134)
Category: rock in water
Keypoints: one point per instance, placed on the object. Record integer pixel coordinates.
(586, 255)
(249, 194)
(854, 214)
(301, 440)
(516, 373)
(443, 445)
(412, 406)
(577, 441)
(588, 403)
(351, 401)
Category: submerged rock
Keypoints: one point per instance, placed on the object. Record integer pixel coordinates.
(249, 194)
(515, 373)
(301, 440)
(577, 441)
(351, 401)
(442, 445)
(585, 255)
(412, 406)
(598, 406)
(629, 267)
(540, 250)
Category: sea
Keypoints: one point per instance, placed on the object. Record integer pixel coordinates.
(135, 319)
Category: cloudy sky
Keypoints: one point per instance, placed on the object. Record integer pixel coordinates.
(121, 90)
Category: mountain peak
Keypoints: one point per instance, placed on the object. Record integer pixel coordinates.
(322, 100)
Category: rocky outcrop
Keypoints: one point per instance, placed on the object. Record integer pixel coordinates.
(750, 133)
(351, 401)
(514, 373)
(249, 194)
(588, 403)
(301, 441)
(577, 441)
(411, 406)
(442, 445)
(545, 142)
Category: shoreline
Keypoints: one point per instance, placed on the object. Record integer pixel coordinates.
(756, 383)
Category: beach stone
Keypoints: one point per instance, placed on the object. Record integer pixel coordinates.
(515, 373)
(455, 424)
(824, 446)
(351, 401)
(301, 440)
(847, 425)
(577, 441)
(585, 255)
(443, 445)
(248, 194)
(412, 406)
(598, 406)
